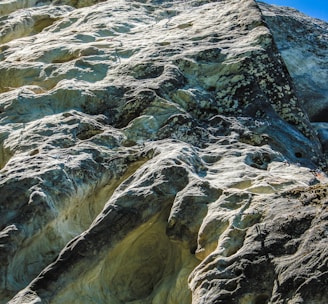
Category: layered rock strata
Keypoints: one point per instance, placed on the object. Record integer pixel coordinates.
(156, 152)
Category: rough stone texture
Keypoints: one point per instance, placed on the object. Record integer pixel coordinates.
(303, 44)
(156, 152)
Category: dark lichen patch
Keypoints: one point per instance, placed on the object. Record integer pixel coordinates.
(259, 160)
(147, 70)
(317, 194)
(88, 133)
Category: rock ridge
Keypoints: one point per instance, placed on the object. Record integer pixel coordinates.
(161, 152)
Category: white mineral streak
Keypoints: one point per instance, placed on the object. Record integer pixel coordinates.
(156, 152)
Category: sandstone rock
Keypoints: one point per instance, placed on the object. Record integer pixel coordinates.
(156, 152)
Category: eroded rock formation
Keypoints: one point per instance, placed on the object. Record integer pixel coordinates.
(160, 152)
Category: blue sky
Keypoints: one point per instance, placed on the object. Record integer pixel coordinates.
(313, 8)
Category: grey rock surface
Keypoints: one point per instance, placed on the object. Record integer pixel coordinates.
(160, 152)
(303, 43)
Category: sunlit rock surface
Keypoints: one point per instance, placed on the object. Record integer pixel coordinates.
(159, 152)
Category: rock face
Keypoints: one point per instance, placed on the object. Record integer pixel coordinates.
(161, 152)
(303, 41)
(303, 44)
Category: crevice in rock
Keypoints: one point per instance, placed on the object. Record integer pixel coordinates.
(145, 267)
(43, 246)
(5, 153)
(80, 214)
(260, 160)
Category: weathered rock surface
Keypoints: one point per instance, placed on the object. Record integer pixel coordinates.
(303, 43)
(160, 152)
